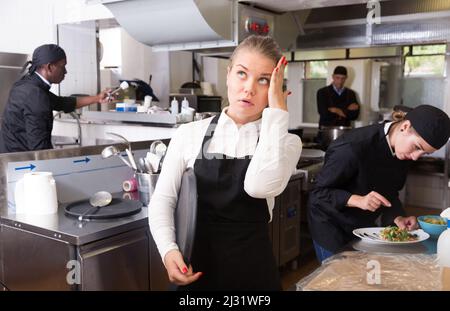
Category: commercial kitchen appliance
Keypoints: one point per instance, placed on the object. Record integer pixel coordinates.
(284, 229)
(10, 69)
(310, 167)
(200, 102)
(59, 252)
(207, 26)
(328, 134)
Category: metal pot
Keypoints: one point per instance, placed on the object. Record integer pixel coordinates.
(329, 134)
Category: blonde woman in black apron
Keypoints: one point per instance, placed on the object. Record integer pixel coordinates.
(242, 159)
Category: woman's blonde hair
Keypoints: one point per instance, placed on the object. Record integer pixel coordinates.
(398, 116)
(265, 45)
(399, 112)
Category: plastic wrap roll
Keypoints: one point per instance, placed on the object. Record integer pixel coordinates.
(130, 185)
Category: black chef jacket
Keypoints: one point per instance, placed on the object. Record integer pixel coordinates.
(327, 98)
(358, 162)
(28, 117)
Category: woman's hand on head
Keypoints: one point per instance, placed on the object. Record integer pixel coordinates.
(276, 96)
(370, 202)
(177, 269)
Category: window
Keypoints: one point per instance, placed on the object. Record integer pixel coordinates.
(316, 73)
(316, 70)
(424, 60)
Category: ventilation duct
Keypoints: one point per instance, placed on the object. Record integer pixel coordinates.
(204, 25)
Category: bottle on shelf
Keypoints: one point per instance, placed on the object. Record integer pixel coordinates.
(184, 103)
(174, 106)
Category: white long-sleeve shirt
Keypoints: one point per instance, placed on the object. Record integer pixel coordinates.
(274, 159)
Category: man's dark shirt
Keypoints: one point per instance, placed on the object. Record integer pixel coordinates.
(327, 98)
(28, 117)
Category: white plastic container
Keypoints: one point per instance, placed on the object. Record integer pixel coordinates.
(147, 101)
(184, 103)
(174, 106)
(443, 252)
(188, 114)
(35, 194)
(142, 109)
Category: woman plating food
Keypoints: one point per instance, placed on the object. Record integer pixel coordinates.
(364, 171)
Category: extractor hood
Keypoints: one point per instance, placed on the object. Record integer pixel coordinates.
(204, 25)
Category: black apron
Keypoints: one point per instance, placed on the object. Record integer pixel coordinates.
(232, 246)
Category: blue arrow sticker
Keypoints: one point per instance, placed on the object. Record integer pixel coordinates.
(85, 160)
(30, 167)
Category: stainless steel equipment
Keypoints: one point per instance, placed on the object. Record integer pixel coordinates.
(57, 253)
(146, 186)
(310, 167)
(328, 134)
(290, 205)
(101, 255)
(113, 151)
(157, 118)
(64, 141)
(284, 229)
(10, 69)
(199, 25)
(99, 199)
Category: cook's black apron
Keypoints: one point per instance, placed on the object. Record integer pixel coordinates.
(232, 246)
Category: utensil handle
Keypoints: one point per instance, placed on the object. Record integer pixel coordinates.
(89, 210)
(131, 158)
(125, 161)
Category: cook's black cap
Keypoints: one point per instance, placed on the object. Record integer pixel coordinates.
(45, 54)
(431, 123)
(340, 70)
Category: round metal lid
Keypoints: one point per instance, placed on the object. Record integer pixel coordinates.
(117, 208)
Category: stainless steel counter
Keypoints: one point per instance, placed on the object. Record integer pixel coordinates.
(68, 229)
(114, 254)
(53, 154)
(165, 119)
(57, 252)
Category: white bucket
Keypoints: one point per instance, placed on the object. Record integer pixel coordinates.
(35, 194)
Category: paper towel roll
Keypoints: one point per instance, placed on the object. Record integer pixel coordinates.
(36, 194)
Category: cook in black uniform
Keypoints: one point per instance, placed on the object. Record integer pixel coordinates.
(242, 159)
(337, 105)
(363, 172)
(28, 117)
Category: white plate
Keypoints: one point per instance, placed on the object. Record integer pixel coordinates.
(372, 235)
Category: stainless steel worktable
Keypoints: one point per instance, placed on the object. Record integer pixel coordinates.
(70, 230)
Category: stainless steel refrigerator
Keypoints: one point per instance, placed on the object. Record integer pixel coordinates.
(10, 68)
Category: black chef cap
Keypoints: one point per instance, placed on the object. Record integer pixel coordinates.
(45, 54)
(340, 70)
(431, 123)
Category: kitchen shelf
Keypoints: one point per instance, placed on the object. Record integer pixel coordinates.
(136, 117)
